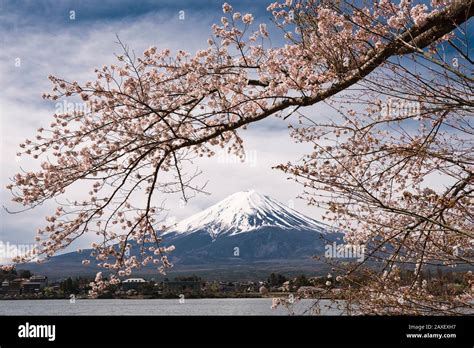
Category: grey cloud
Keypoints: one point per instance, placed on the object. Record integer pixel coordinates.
(73, 53)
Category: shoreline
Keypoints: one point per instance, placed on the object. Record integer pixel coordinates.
(176, 297)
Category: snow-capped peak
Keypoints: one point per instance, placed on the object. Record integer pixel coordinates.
(247, 211)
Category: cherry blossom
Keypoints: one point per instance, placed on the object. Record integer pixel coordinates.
(149, 116)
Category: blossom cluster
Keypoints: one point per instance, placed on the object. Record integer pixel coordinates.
(147, 117)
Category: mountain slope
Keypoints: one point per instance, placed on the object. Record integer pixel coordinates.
(250, 227)
(245, 212)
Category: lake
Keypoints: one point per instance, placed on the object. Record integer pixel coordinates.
(238, 306)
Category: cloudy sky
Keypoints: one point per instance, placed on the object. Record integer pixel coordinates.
(41, 38)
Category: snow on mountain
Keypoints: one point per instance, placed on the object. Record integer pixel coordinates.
(244, 212)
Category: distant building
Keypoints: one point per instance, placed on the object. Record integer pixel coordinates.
(184, 286)
(133, 284)
(30, 287)
(22, 285)
(5, 286)
(42, 280)
(15, 286)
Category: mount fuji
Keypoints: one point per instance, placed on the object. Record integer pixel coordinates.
(245, 234)
(247, 227)
(247, 211)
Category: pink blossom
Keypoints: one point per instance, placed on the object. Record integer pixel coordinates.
(247, 18)
(226, 8)
(419, 13)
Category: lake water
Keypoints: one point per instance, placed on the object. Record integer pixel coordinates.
(254, 306)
